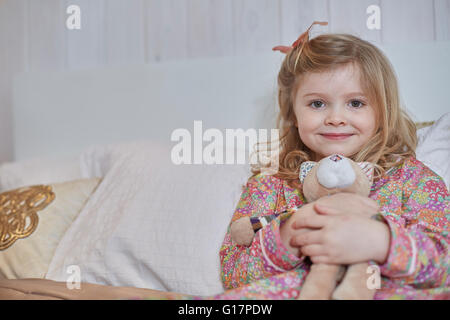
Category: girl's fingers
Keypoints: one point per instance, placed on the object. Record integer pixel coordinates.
(313, 250)
(307, 238)
(309, 221)
(322, 209)
(320, 259)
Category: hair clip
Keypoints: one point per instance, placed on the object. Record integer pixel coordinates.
(301, 40)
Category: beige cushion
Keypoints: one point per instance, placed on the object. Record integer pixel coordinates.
(55, 206)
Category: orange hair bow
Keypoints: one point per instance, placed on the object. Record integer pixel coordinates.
(303, 38)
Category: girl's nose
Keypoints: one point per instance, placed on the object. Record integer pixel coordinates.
(336, 116)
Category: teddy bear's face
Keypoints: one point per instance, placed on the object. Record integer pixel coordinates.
(335, 174)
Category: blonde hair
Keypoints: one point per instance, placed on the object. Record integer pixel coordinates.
(395, 138)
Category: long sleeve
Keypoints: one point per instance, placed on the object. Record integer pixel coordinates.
(266, 256)
(418, 219)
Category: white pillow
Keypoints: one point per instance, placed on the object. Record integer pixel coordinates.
(97, 160)
(434, 147)
(151, 223)
(42, 170)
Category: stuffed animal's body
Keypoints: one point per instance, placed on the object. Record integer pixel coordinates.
(330, 175)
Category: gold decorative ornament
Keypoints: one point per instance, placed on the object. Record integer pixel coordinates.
(420, 125)
(18, 212)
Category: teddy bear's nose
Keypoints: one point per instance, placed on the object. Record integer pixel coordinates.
(335, 172)
(335, 158)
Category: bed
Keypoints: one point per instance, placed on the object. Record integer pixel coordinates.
(117, 219)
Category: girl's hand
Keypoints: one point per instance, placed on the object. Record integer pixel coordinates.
(344, 202)
(341, 238)
(339, 204)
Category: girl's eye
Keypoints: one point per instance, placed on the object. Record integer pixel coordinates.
(316, 104)
(357, 104)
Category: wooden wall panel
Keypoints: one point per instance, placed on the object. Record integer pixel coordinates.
(13, 59)
(210, 28)
(85, 47)
(256, 26)
(297, 16)
(166, 29)
(350, 16)
(407, 20)
(135, 31)
(124, 31)
(47, 46)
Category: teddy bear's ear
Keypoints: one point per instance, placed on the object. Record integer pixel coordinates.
(368, 169)
(305, 168)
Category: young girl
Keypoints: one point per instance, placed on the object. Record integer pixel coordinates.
(339, 94)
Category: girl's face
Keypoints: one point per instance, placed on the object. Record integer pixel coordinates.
(332, 113)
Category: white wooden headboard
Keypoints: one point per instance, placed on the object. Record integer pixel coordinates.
(65, 112)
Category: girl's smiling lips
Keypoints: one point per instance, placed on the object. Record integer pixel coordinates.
(336, 136)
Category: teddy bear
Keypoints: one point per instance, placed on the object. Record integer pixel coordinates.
(330, 175)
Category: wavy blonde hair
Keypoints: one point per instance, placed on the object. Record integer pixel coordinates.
(395, 138)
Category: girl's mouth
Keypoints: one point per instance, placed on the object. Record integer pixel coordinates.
(336, 136)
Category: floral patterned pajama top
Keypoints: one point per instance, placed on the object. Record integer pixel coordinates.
(414, 203)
